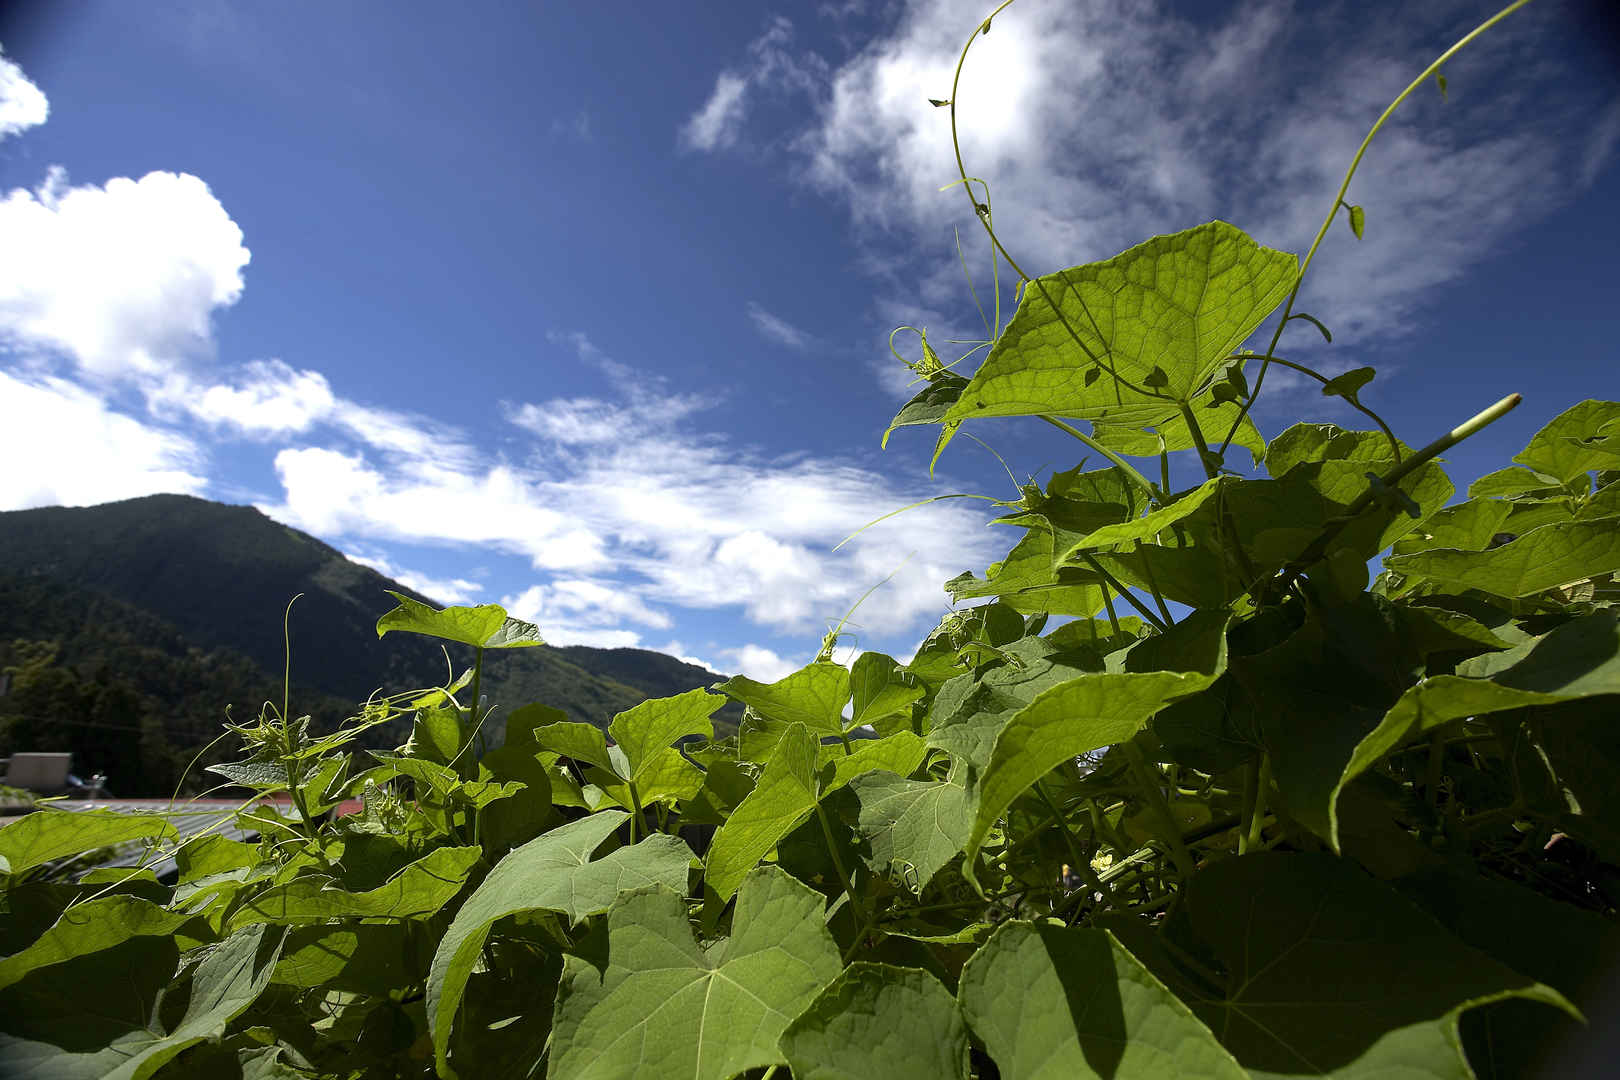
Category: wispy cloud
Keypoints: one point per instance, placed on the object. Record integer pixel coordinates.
(1100, 123)
(444, 590)
(771, 68)
(22, 104)
(777, 329)
(627, 511)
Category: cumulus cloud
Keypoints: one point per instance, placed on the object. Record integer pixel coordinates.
(1100, 123)
(63, 446)
(22, 104)
(124, 278)
(760, 664)
(777, 329)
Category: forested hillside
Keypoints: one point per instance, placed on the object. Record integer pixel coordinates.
(133, 624)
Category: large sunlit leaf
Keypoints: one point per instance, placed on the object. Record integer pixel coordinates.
(554, 872)
(648, 730)
(1169, 311)
(1573, 442)
(664, 1008)
(814, 696)
(881, 688)
(486, 626)
(878, 1022)
(1051, 1003)
(1304, 965)
(91, 927)
(1545, 558)
(47, 835)
(786, 792)
(416, 892)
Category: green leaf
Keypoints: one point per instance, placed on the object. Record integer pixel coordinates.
(1511, 481)
(1146, 527)
(554, 873)
(970, 710)
(1089, 713)
(1349, 384)
(877, 1022)
(436, 735)
(914, 827)
(228, 980)
(882, 688)
(1215, 409)
(360, 958)
(1579, 659)
(582, 742)
(1306, 966)
(1179, 303)
(259, 775)
(91, 927)
(785, 794)
(1544, 558)
(416, 892)
(484, 627)
(1051, 1003)
(898, 753)
(650, 728)
(1571, 444)
(929, 406)
(1029, 580)
(47, 835)
(1468, 526)
(814, 696)
(665, 1009)
(1358, 220)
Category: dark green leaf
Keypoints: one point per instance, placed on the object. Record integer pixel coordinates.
(877, 1022)
(1051, 1002)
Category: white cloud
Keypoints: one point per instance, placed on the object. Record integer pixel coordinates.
(443, 590)
(759, 663)
(772, 68)
(123, 279)
(62, 446)
(627, 510)
(22, 104)
(778, 329)
(715, 125)
(1100, 123)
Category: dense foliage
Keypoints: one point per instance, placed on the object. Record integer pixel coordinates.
(124, 692)
(1281, 820)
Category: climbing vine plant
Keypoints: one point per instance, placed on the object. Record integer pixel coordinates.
(1182, 792)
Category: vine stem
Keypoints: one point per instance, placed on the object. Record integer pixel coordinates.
(1344, 186)
(1119, 463)
(1109, 579)
(863, 920)
(1439, 446)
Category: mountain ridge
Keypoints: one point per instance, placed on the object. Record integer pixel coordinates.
(222, 575)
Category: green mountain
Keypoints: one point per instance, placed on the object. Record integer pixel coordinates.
(217, 578)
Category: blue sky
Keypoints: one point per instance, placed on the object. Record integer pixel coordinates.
(583, 308)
